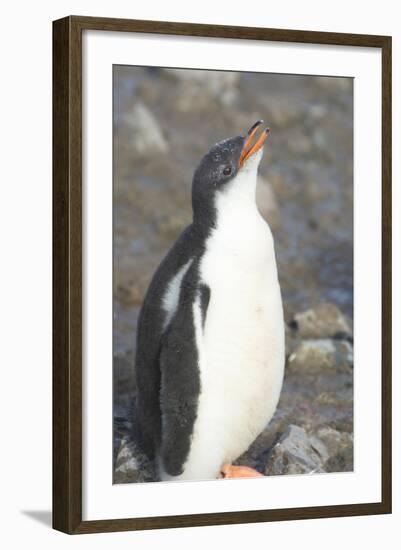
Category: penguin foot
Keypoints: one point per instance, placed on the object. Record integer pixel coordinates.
(230, 471)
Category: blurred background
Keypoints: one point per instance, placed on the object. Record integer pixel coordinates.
(165, 120)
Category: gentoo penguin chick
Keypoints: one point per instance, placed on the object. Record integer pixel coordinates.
(210, 339)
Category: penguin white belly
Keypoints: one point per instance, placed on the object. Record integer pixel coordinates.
(241, 348)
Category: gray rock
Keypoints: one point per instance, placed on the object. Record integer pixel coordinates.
(300, 144)
(296, 452)
(221, 86)
(334, 440)
(267, 203)
(343, 461)
(340, 448)
(323, 321)
(146, 137)
(316, 192)
(132, 466)
(328, 83)
(319, 355)
(317, 111)
(281, 112)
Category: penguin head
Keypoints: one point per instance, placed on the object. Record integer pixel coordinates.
(227, 167)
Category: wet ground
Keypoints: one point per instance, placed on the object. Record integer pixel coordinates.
(164, 121)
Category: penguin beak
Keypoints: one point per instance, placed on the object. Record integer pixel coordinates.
(251, 145)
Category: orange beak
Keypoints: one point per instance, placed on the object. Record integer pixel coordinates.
(251, 145)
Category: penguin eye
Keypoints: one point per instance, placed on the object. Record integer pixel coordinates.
(227, 170)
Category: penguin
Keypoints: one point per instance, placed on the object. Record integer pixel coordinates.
(210, 339)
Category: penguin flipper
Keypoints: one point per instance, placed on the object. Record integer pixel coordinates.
(151, 329)
(180, 376)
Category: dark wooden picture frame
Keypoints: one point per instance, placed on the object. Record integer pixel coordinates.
(67, 273)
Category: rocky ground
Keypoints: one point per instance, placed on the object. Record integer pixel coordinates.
(164, 121)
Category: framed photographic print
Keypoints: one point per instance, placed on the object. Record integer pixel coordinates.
(221, 274)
